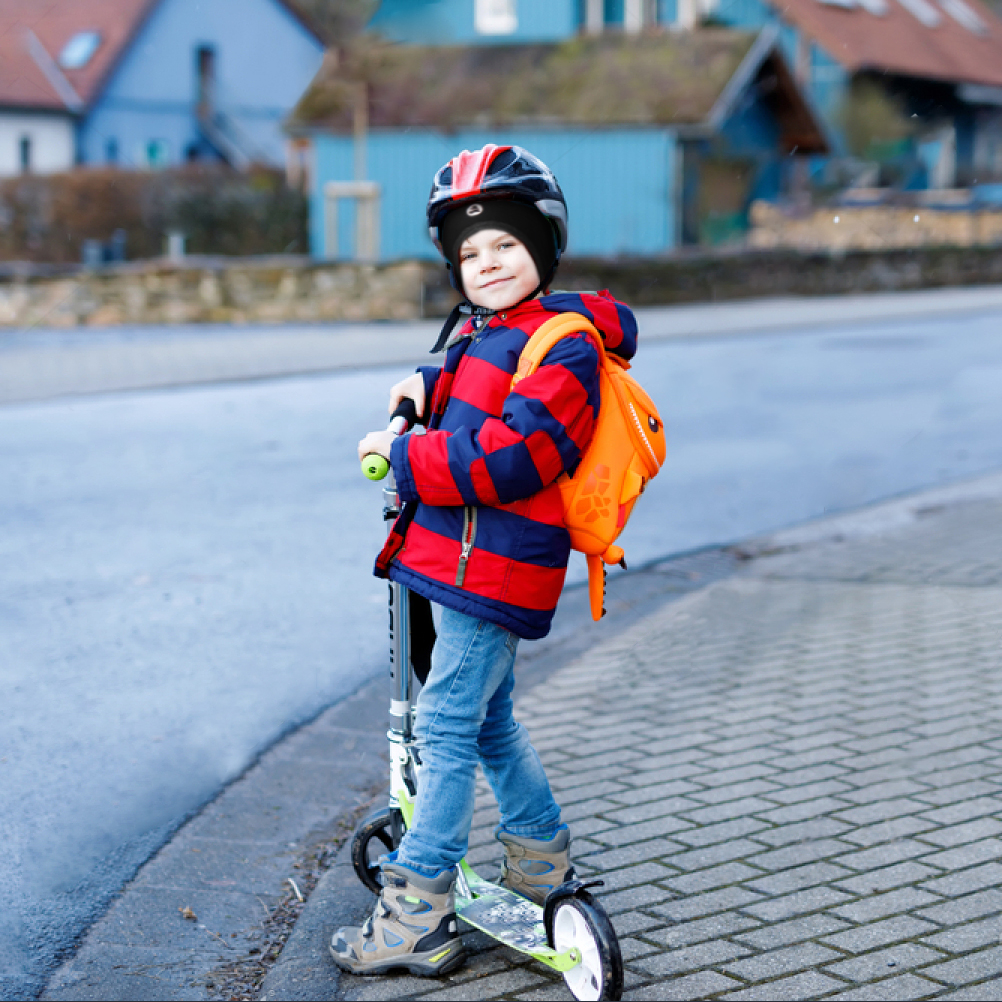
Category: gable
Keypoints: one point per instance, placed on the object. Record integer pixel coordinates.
(765, 79)
(262, 57)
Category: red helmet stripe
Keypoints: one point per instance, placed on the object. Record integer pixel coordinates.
(468, 169)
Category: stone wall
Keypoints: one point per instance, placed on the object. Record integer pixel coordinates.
(290, 289)
(874, 227)
(216, 290)
(718, 277)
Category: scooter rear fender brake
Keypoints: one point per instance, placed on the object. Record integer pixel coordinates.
(570, 889)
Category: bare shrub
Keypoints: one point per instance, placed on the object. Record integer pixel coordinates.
(48, 218)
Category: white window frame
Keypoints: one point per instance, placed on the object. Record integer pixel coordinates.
(495, 17)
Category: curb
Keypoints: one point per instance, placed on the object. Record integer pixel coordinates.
(304, 970)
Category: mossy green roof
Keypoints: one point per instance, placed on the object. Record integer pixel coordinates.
(663, 78)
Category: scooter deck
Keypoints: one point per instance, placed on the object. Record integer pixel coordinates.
(503, 915)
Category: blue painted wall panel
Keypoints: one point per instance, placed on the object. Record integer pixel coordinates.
(613, 11)
(264, 61)
(666, 11)
(751, 130)
(752, 133)
(619, 185)
(829, 83)
(451, 22)
(751, 14)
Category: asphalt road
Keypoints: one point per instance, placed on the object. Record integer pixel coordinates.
(185, 573)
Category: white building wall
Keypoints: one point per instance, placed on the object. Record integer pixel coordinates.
(52, 138)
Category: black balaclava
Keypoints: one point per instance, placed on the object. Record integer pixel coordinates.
(522, 221)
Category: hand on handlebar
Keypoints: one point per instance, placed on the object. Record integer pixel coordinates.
(374, 449)
(378, 442)
(413, 387)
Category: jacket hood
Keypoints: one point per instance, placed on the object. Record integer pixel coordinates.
(615, 320)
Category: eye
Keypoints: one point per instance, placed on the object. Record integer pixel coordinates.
(652, 423)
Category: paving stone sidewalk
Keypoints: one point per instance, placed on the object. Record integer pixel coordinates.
(791, 781)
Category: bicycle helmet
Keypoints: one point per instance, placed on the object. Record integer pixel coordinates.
(502, 186)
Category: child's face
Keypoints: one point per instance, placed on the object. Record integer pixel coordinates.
(497, 269)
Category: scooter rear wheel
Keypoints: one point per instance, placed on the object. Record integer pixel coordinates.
(373, 838)
(580, 923)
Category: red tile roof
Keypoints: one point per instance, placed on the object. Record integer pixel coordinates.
(898, 42)
(24, 83)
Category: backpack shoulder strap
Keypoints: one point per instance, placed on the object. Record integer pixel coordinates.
(557, 327)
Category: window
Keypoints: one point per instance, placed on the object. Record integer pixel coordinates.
(922, 11)
(205, 79)
(495, 17)
(614, 11)
(25, 151)
(964, 15)
(78, 50)
(155, 153)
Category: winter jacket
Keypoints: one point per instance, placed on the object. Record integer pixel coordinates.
(482, 528)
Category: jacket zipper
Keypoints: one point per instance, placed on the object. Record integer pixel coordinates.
(469, 535)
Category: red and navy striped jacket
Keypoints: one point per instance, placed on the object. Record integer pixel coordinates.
(482, 528)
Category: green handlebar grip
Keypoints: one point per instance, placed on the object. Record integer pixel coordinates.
(375, 467)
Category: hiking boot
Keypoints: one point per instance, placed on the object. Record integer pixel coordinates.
(534, 866)
(413, 927)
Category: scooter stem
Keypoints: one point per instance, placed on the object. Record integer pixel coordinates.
(401, 731)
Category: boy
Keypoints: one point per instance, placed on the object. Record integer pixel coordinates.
(482, 534)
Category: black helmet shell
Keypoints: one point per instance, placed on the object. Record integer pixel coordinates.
(497, 172)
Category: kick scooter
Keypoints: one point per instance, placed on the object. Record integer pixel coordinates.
(570, 932)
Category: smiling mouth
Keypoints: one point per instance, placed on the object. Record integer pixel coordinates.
(497, 281)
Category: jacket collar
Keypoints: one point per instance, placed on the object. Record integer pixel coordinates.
(455, 327)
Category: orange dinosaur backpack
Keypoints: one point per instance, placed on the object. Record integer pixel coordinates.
(627, 449)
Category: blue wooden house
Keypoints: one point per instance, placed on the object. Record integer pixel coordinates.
(148, 83)
(658, 139)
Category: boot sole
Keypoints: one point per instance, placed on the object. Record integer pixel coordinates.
(418, 964)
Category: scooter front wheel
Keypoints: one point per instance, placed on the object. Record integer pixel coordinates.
(579, 923)
(378, 834)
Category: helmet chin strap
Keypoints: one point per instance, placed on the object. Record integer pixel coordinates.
(461, 312)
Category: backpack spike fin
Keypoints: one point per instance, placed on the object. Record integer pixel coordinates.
(596, 586)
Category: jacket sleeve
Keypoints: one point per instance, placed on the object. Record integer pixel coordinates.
(430, 374)
(546, 423)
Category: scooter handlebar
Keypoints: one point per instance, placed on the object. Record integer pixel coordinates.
(374, 466)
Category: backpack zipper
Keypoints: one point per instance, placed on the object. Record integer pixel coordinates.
(469, 535)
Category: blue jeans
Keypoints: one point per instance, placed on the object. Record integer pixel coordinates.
(464, 716)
